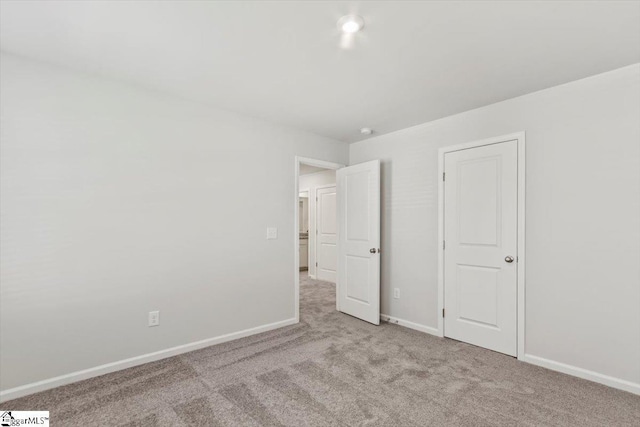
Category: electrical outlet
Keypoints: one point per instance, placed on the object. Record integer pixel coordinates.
(154, 318)
(396, 293)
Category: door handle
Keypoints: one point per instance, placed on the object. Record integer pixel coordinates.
(508, 259)
(374, 250)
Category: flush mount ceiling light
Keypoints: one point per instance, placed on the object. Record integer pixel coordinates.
(350, 24)
(366, 131)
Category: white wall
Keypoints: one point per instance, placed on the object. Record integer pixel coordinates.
(582, 218)
(311, 182)
(117, 201)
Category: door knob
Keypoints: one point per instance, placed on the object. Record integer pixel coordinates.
(508, 259)
(372, 250)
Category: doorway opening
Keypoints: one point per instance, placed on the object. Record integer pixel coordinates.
(343, 238)
(316, 225)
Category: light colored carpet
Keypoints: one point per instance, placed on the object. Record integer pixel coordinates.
(334, 370)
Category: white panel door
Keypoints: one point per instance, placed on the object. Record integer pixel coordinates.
(480, 256)
(358, 283)
(327, 230)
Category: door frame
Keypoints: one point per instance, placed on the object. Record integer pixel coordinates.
(521, 259)
(296, 228)
(300, 191)
(315, 222)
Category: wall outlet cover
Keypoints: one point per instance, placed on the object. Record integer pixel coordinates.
(272, 233)
(154, 318)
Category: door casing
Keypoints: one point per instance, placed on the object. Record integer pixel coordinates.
(521, 258)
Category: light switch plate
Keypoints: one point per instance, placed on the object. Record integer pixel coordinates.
(272, 233)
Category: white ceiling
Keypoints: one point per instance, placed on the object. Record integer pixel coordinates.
(282, 61)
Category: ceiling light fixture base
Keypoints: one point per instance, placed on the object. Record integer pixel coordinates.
(350, 24)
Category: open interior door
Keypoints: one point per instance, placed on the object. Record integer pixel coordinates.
(358, 280)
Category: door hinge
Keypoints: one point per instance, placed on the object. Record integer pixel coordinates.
(443, 176)
(443, 245)
(443, 312)
(316, 264)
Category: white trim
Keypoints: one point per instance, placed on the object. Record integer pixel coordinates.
(520, 137)
(618, 383)
(24, 390)
(318, 163)
(410, 325)
(439, 243)
(296, 234)
(520, 257)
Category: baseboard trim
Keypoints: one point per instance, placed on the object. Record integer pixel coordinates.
(618, 383)
(70, 378)
(73, 377)
(410, 325)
